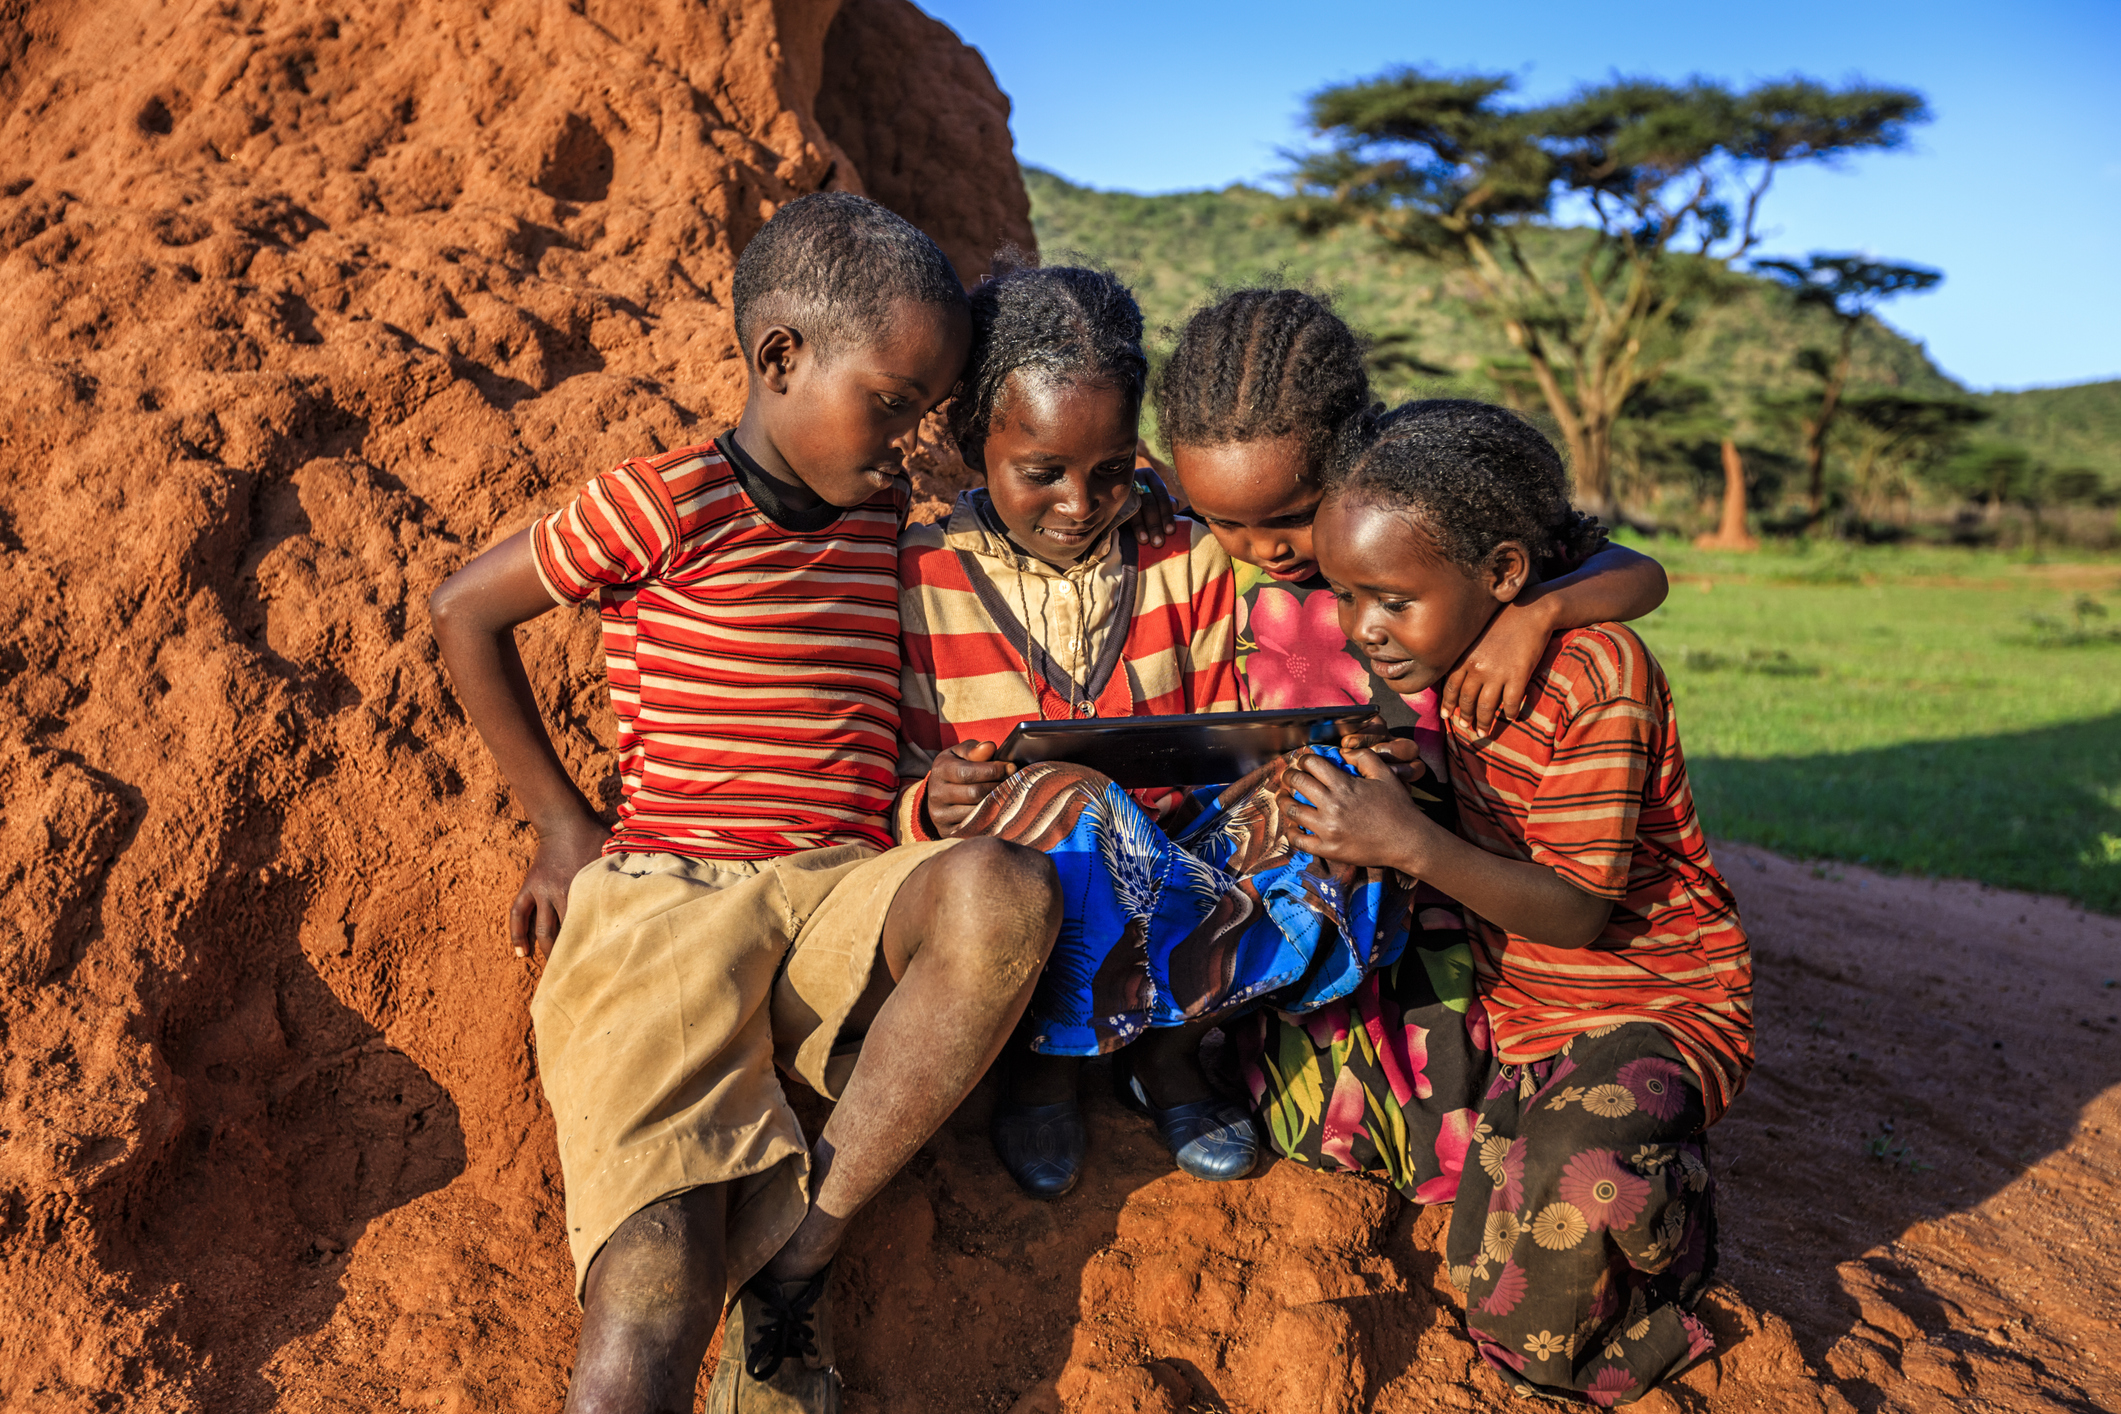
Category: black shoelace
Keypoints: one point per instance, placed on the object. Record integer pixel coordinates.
(786, 1331)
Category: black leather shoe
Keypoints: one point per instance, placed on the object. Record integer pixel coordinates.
(1210, 1139)
(1041, 1145)
(777, 1350)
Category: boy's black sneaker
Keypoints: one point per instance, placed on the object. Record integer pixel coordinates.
(777, 1353)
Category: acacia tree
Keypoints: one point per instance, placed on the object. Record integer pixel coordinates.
(1672, 174)
(1895, 437)
(1849, 288)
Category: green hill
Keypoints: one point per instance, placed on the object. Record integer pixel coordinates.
(1178, 250)
(2064, 427)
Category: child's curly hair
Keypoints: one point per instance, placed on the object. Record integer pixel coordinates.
(1261, 364)
(837, 265)
(1474, 474)
(1068, 322)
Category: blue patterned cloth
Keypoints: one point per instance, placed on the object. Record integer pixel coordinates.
(1162, 931)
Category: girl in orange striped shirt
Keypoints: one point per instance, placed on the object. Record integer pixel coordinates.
(1609, 964)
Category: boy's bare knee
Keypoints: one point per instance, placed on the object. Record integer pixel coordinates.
(1011, 897)
(1005, 872)
(654, 1295)
(1032, 872)
(664, 1264)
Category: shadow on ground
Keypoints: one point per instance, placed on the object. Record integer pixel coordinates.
(2037, 810)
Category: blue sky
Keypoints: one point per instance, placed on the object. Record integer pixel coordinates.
(2014, 191)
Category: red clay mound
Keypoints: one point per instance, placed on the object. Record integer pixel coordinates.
(299, 305)
(299, 308)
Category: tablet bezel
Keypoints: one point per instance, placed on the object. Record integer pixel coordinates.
(1235, 733)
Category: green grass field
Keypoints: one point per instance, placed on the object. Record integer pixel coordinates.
(1935, 712)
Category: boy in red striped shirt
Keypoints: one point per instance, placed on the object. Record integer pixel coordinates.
(747, 910)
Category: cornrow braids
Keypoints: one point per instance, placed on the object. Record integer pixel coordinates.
(1264, 364)
(1474, 475)
(1067, 322)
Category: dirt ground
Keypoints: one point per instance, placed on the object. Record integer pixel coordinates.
(1919, 1209)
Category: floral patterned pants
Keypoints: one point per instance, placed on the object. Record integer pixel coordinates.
(1584, 1227)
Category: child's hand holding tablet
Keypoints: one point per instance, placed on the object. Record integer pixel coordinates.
(961, 777)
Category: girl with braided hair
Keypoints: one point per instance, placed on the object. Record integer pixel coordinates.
(1264, 386)
(1611, 978)
(1032, 601)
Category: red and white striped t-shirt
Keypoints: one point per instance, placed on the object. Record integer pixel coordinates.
(1589, 780)
(753, 652)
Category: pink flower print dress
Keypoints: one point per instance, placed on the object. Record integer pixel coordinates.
(1290, 648)
(1291, 653)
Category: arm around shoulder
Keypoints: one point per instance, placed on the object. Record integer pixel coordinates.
(1612, 586)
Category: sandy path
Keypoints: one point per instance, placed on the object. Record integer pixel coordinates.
(1963, 1257)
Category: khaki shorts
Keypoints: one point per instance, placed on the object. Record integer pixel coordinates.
(674, 989)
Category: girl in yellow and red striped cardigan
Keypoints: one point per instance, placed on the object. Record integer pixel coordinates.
(1034, 601)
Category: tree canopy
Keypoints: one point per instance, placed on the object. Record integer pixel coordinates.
(1673, 175)
(1895, 436)
(1849, 288)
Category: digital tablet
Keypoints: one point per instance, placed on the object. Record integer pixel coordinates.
(1199, 749)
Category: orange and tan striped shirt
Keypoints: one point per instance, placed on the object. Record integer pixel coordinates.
(994, 636)
(752, 650)
(1589, 780)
